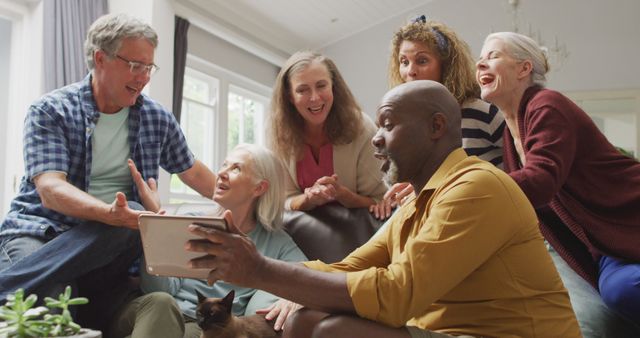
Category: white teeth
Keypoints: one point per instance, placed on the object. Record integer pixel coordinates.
(316, 109)
(484, 79)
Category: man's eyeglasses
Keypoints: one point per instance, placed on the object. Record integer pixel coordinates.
(137, 68)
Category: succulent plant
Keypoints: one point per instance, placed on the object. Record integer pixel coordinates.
(21, 319)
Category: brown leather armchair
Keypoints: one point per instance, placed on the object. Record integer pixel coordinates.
(330, 232)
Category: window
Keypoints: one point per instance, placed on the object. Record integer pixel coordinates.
(21, 73)
(219, 110)
(199, 108)
(245, 119)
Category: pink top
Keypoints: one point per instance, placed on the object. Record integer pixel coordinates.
(308, 171)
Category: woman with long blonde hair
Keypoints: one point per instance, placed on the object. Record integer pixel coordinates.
(321, 134)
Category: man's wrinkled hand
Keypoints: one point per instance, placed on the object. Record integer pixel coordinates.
(121, 215)
(147, 191)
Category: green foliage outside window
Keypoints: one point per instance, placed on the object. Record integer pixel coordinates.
(242, 120)
(626, 152)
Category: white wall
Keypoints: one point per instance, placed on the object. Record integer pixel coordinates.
(220, 52)
(602, 38)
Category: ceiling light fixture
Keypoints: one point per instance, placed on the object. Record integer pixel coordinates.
(557, 53)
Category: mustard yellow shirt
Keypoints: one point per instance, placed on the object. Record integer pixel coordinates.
(463, 257)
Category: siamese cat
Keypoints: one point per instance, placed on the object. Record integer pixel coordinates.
(214, 317)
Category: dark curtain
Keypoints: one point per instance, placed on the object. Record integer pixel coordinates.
(179, 62)
(65, 28)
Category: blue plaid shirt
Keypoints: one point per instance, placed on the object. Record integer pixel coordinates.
(57, 137)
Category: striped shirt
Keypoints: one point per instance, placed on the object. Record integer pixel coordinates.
(482, 127)
(57, 138)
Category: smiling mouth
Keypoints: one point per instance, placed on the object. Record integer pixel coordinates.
(486, 79)
(316, 110)
(221, 187)
(133, 90)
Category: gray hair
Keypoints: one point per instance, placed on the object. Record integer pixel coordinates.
(522, 48)
(266, 166)
(108, 31)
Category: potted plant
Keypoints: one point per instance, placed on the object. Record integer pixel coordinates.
(20, 319)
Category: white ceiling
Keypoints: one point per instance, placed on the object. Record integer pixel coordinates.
(601, 37)
(285, 26)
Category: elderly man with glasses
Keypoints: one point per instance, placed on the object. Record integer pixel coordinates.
(74, 220)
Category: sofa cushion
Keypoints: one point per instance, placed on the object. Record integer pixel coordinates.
(330, 232)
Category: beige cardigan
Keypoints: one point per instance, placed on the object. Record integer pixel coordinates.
(354, 163)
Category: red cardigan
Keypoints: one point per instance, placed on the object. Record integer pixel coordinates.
(586, 194)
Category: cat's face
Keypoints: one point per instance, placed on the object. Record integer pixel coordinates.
(214, 313)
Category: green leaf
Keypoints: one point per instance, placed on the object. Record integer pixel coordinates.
(78, 301)
(8, 315)
(74, 326)
(57, 330)
(37, 331)
(35, 312)
(28, 303)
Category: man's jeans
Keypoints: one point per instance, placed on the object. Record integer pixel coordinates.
(44, 268)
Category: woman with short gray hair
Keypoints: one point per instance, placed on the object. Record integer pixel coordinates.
(250, 184)
(584, 189)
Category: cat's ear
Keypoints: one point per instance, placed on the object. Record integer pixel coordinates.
(228, 299)
(201, 297)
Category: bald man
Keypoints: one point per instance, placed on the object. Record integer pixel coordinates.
(463, 258)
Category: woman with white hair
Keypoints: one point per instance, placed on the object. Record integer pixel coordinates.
(251, 185)
(586, 193)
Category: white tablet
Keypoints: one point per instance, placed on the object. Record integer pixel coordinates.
(163, 240)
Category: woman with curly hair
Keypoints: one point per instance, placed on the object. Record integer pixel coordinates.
(429, 50)
(321, 134)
